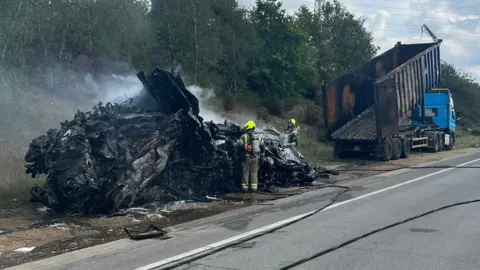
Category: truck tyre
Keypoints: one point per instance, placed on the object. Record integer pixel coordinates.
(396, 148)
(387, 150)
(405, 148)
(436, 143)
(452, 142)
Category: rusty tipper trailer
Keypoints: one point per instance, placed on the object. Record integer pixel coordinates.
(390, 104)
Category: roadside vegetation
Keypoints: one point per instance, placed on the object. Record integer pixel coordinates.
(262, 60)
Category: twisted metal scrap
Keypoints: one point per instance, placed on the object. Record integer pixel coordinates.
(153, 147)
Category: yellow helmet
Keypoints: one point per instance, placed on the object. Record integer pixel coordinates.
(292, 121)
(249, 125)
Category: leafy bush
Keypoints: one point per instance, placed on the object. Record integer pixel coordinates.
(274, 105)
(313, 115)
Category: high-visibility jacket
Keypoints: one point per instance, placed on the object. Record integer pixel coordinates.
(245, 142)
(294, 133)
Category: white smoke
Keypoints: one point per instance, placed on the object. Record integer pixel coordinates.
(117, 88)
(114, 88)
(30, 109)
(205, 96)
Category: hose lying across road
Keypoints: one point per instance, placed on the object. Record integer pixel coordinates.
(322, 252)
(215, 250)
(328, 250)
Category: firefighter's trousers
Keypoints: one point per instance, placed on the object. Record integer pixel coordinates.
(250, 173)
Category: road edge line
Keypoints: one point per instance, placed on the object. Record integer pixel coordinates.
(192, 254)
(400, 184)
(102, 249)
(254, 208)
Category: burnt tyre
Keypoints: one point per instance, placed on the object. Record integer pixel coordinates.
(405, 148)
(387, 150)
(397, 148)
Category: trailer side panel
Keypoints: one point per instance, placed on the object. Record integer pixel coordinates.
(398, 93)
(351, 94)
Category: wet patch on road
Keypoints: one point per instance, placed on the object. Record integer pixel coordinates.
(238, 224)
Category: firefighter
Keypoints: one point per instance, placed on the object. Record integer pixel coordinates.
(293, 132)
(254, 147)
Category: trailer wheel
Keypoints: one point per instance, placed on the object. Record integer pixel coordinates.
(397, 148)
(405, 148)
(387, 150)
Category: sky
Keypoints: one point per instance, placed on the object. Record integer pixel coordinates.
(457, 23)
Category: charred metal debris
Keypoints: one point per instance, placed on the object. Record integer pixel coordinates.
(153, 147)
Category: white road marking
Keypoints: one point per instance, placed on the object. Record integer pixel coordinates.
(223, 242)
(281, 223)
(399, 185)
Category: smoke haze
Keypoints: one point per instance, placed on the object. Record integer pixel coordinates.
(29, 110)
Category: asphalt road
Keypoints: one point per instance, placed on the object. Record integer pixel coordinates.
(448, 239)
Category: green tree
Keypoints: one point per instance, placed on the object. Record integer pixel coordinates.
(235, 37)
(305, 24)
(341, 40)
(277, 69)
(465, 91)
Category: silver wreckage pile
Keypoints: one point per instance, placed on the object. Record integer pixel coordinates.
(153, 147)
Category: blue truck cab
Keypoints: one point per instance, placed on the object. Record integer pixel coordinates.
(391, 104)
(439, 110)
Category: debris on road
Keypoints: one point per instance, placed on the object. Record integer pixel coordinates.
(24, 249)
(151, 232)
(245, 245)
(153, 147)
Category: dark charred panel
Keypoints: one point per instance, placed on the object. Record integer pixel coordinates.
(408, 51)
(353, 93)
(386, 107)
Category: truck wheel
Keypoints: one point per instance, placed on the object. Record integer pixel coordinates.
(387, 150)
(452, 142)
(397, 148)
(436, 144)
(405, 148)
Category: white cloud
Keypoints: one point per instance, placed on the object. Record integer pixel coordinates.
(475, 70)
(456, 22)
(380, 23)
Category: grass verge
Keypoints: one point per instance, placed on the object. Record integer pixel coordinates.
(14, 183)
(18, 190)
(467, 140)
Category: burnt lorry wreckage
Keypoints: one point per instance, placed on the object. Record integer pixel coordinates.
(153, 147)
